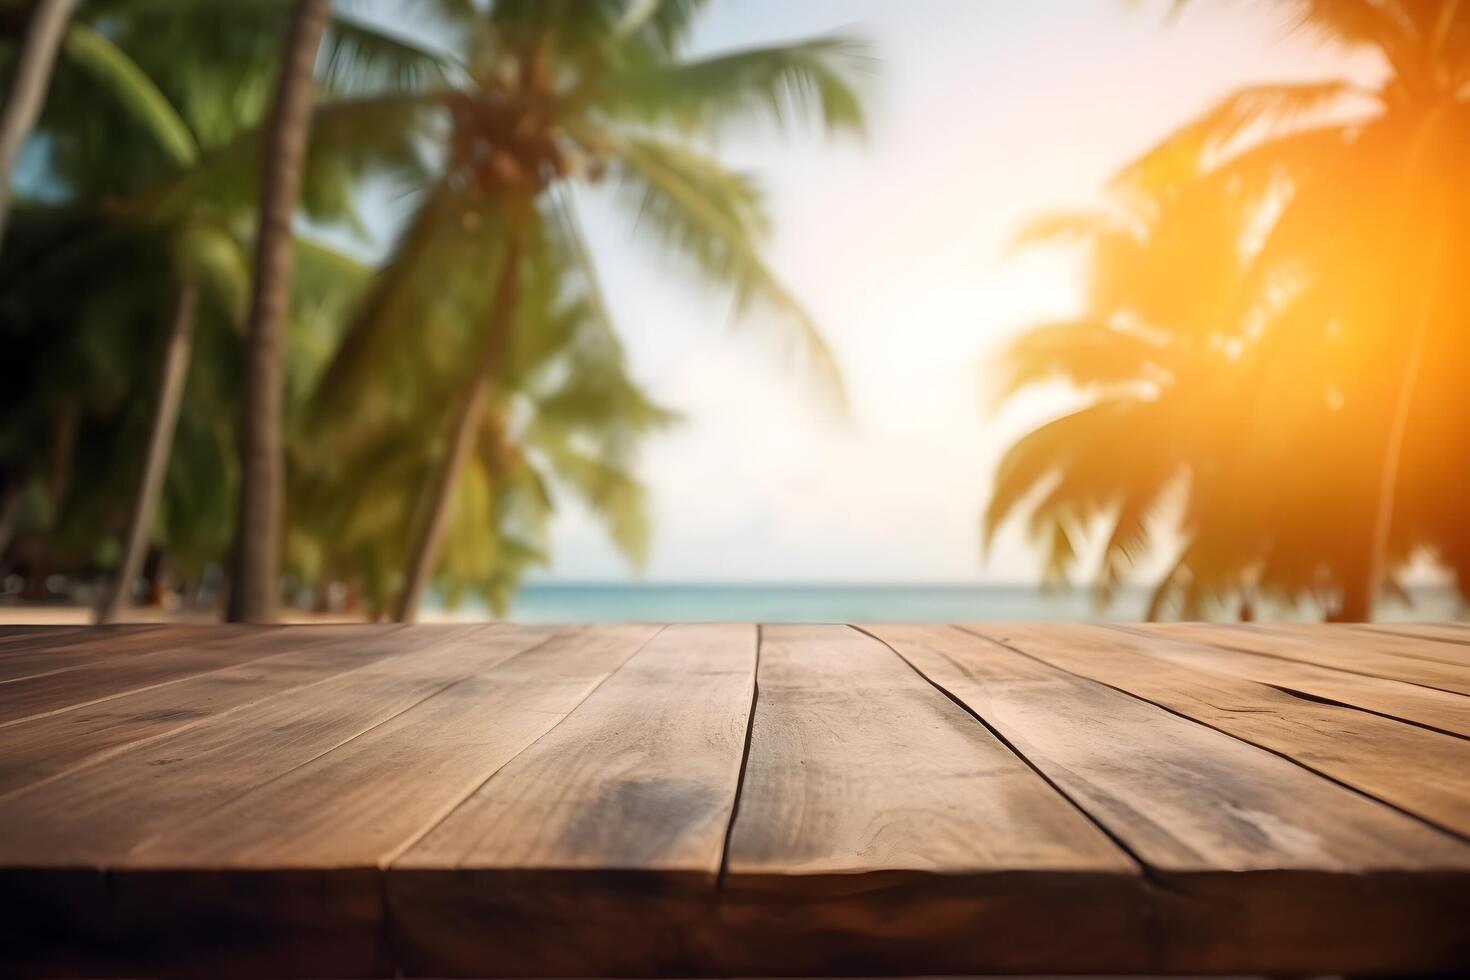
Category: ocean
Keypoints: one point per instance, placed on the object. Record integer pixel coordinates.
(777, 603)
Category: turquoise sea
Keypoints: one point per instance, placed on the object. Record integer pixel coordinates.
(778, 603)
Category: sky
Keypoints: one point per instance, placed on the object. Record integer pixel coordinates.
(982, 114)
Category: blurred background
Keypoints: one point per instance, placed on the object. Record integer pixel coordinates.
(664, 309)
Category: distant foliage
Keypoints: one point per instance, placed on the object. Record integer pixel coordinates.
(152, 143)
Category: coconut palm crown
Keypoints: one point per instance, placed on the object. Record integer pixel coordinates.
(552, 96)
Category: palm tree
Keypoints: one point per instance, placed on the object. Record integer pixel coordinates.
(1373, 173)
(256, 579)
(1336, 316)
(1159, 358)
(26, 93)
(565, 418)
(561, 93)
(262, 450)
(155, 462)
(174, 74)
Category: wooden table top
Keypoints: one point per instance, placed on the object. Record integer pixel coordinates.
(683, 800)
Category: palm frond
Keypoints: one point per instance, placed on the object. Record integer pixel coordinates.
(665, 23)
(712, 216)
(1266, 109)
(1130, 539)
(1046, 451)
(133, 91)
(360, 57)
(386, 336)
(351, 140)
(1352, 21)
(609, 490)
(1170, 586)
(325, 287)
(807, 80)
(579, 257)
(1086, 352)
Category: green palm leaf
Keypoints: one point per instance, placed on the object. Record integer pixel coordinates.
(133, 91)
(712, 216)
(785, 83)
(358, 56)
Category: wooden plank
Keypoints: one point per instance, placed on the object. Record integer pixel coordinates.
(1362, 644)
(1425, 706)
(30, 629)
(1234, 835)
(882, 828)
(185, 920)
(1426, 773)
(45, 654)
(19, 637)
(44, 747)
(1122, 757)
(26, 636)
(95, 816)
(588, 853)
(1357, 636)
(1444, 632)
(887, 829)
(364, 802)
(42, 694)
(857, 764)
(1348, 650)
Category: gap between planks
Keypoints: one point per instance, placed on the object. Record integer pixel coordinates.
(447, 811)
(1437, 825)
(382, 876)
(176, 649)
(1142, 866)
(1354, 656)
(370, 652)
(755, 697)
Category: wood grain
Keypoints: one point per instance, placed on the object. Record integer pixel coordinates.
(857, 764)
(721, 800)
(370, 798)
(1218, 821)
(97, 815)
(41, 748)
(17, 640)
(1423, 772)
(1444, 632)
(42, 653)
(1353, 651)
(69, 900)
(27, 631)
(1408, 641)
(1409, 702)
(866, 788)
(1183, 797)
(149, 663)
(594, 850)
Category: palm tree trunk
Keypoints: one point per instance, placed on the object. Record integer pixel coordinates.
(1358, 598)
(262, 445)
(155, 462)
(26, 94)
(428, 537)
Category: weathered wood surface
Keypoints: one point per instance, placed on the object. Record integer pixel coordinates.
(734, 800)
(1392, 656)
